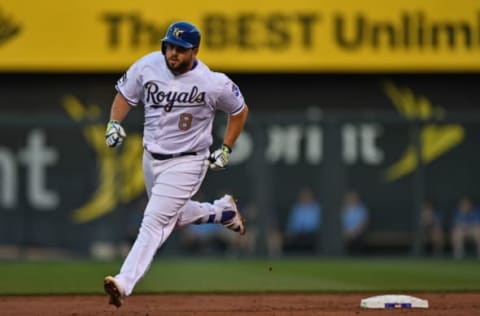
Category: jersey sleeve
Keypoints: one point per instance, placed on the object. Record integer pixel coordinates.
(130, 85)
(230, 100)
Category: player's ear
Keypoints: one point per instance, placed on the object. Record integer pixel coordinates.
(195, 51)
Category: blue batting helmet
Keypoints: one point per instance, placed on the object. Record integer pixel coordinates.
(183, 34)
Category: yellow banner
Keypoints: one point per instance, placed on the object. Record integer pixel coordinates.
(245, 36)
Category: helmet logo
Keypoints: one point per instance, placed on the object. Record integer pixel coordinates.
(177, 32)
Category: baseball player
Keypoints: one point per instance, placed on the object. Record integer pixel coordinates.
(180, 95)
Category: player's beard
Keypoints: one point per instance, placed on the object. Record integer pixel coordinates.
(180, 68)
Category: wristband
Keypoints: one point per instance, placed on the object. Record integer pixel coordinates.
(228, 149)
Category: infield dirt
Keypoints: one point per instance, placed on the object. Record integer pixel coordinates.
(441, 304)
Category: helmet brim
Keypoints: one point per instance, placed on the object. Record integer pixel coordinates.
(176, 42)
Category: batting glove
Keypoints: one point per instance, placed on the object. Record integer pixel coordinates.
(115, 134)
(219, 158)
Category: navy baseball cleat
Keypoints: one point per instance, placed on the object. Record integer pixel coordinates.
(114, 291)
(231, 217)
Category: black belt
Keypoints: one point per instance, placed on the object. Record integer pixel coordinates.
(170, 156)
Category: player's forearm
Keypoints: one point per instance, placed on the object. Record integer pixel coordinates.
(120, 108)
(235, 126)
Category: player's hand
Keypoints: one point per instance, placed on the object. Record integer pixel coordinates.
(219, 158)
(115, 134)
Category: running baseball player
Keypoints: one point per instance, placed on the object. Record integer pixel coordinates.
(180, 95)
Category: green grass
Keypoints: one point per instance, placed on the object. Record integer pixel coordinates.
(215, 275)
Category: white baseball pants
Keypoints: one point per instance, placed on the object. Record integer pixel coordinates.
(170, 185)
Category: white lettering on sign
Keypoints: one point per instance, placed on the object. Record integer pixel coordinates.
(359, 144)
(35, 157)
(293, 142)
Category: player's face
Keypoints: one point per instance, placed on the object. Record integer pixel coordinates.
(179, 59)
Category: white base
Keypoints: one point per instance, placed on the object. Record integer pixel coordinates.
(393, 301)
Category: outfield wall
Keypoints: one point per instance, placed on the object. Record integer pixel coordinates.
(61, 187)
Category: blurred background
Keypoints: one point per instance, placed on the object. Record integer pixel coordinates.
(362, 138)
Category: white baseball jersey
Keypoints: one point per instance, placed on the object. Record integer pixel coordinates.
(179, 110)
